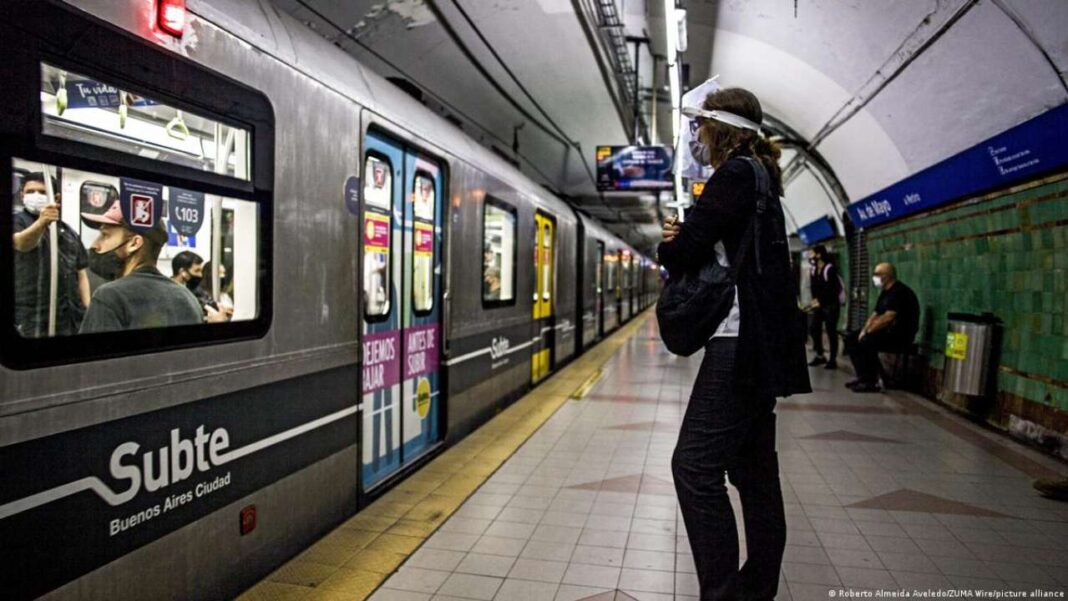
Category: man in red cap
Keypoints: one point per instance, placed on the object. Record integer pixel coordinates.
(139, 296)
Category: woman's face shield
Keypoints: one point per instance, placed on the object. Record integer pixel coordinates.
(697, 116)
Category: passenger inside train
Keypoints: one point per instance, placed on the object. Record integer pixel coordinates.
(137, 295)
(222, 304)
(187, 269)
(32, 241)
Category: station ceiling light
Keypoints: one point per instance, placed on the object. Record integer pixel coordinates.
(671, 26)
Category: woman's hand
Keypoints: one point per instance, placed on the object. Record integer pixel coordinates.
(670, 229)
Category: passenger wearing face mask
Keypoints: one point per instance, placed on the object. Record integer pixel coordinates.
(206, 292)
(33, 264)
(187, 269)
(890, 328)
(756, 354)
(138, 295)
(826, 305)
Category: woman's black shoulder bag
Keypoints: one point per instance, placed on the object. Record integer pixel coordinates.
(692, 305)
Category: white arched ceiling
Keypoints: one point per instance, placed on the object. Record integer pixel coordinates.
(806, 99)
(981, 76)
(953, 82)
(806, 200)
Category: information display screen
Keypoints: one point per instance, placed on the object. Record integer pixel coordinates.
(625, 168)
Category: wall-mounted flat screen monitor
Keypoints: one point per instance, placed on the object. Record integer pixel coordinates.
(634, 168)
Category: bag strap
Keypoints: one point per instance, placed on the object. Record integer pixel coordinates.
(752, 233)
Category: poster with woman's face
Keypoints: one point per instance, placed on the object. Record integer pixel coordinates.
(377, 186)
(423, 197)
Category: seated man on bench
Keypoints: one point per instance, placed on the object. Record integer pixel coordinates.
(891, 328)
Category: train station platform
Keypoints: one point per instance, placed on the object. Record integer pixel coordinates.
(567, 495)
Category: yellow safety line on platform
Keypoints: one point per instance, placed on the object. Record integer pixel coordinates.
(581, 391)
(353, 560)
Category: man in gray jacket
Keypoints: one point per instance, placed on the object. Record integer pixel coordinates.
(139, 296)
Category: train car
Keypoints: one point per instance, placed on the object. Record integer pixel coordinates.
(343, 222)
(516, 321)
(651, 282)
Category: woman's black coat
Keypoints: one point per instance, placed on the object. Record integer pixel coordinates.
(771, 337)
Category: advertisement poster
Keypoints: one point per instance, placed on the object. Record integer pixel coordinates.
(423, 197)
(625, 168)
(377, 183)
(376, 262)
(186, 211)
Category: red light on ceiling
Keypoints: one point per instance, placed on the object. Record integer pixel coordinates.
(170, 16)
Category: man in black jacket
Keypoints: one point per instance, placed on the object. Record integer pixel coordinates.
(890, 328)
(826, 306)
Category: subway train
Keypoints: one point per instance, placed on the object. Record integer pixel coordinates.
(392, 284)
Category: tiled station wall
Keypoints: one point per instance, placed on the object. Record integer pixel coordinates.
(1004, 253)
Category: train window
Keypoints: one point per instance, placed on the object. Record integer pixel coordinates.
(377, 232)
(118, 241)
(498, 252)
(153, 162)
(423, 243)
(87, 110)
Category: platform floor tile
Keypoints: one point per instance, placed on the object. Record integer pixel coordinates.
(568, 496)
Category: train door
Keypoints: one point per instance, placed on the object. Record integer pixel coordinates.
(623, 292)
(635, 284)
(541, 358)
(598, 286)
(401, 233)
(611, 299)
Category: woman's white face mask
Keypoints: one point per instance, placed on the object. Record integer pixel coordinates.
(700, 152)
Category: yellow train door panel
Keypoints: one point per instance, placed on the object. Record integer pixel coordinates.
(544, 240)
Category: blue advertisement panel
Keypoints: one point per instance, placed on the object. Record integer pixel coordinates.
(186, 211)
(1032, 148)
(634, 168)
(817, 231)
(87, 93)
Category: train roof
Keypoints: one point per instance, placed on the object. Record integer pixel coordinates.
(274, 32)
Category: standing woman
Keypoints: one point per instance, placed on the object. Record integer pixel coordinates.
(756, 355)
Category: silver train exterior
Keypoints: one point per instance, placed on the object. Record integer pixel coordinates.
(291, 394)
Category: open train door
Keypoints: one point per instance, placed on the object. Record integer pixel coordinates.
(401, 241)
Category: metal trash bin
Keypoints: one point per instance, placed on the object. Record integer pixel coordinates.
(970, 341)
